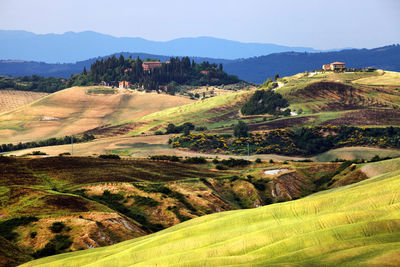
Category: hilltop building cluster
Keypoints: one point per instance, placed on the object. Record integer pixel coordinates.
(151, 65)
(334, 66)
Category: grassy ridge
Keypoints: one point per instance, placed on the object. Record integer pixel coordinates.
(351, 153)
(348, 226)
(365, 92)
(212, 111)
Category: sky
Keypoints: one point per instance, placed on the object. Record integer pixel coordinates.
(321, 24)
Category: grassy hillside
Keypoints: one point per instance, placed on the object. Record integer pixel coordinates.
(352, 153)
(383, 78)
(319, 92)
(356, 225)
(213, 113)
(318, 98)
(75, 110)
(364, 99)
(103, 202)
(381, 167)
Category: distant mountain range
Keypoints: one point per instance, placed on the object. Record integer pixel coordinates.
(71, 47)
(256, 69)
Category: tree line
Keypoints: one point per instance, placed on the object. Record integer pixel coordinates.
(304, 141)
(47, 142)
(33, 83)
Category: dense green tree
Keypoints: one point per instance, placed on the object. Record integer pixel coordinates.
(186, 130)
(264, 102)
(172, 88)
(241, 129)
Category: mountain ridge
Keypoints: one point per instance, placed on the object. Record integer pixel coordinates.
(71, 47)
(254, 69)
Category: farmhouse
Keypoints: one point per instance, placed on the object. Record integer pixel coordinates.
(334, 66)
(205, 72)
(150, 65)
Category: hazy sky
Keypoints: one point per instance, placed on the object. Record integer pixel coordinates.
(321, 24)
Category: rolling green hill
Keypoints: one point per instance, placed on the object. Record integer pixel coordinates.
(365, 99)
(115, 200)
(333, 96)
(356, 225)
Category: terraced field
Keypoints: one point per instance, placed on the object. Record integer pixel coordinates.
(356, 225)
(12, 99)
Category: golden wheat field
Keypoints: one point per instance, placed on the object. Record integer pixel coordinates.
(73, 111)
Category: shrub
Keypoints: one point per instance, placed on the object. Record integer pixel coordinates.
(180, 216)
(195, 160)
(234, 178)
(200, 128)
(271, 161)
(57, 227)
(159, 133)
(260, 184)
(33, 234)
(227, 136)
(231, 162)
(109, 156)
(258, 160)
(56, 245)
(146, 201)
(38, 153)
(182, 199)
(377, 158)
(155, 188)
(304, 160)
(172, 128)
(221, 167)
(286, 112)
(165, 157)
